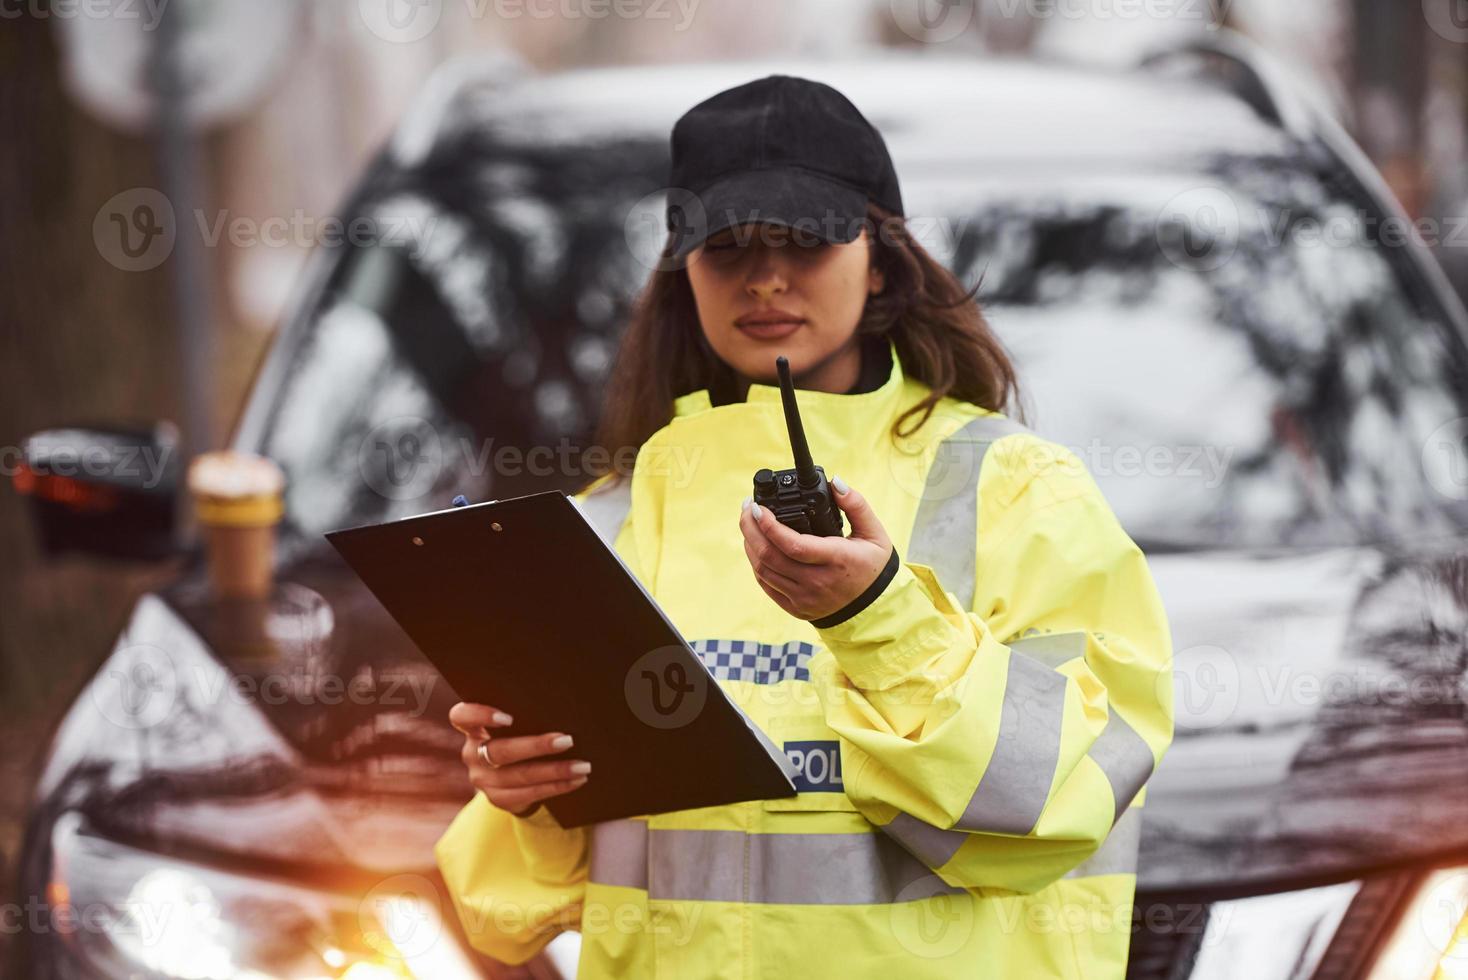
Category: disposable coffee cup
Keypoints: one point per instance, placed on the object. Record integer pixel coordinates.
(239, 499)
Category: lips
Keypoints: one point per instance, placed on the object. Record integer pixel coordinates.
(769, 324)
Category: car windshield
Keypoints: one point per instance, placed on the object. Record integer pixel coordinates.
(1224, 344)
(1232, 356)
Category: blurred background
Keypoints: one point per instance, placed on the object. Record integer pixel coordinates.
(271, 110)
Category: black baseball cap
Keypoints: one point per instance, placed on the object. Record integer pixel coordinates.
(780, 149)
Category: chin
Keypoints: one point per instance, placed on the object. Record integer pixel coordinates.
(755, 359)
(749, 360)
(760, 366)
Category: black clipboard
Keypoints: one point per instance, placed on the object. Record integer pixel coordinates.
(519, 603)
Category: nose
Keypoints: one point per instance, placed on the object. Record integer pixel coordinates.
(767, 276)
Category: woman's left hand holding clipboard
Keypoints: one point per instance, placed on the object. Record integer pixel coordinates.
(505, 769)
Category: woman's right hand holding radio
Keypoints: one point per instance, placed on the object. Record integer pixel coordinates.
(513, 776)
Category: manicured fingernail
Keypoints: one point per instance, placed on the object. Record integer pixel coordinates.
(561, 742)
(580, 767)
(839, 484)
(744, 505)
(500, 718)
(754, 509)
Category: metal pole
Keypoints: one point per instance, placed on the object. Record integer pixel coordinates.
(182, 176)
(179, 166)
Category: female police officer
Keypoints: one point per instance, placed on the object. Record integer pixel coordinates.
(974, 683)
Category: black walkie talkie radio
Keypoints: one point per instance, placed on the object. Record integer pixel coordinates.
(799, 498)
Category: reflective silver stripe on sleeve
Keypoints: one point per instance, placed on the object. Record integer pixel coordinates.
(1118, 852)
(945, 531)
(1051, 649)
(1012, 792)
(777, 869)
(935, 847)
(931, 845)
(619, 853)
(1016, 783)
(607, 508)
(1125, 758)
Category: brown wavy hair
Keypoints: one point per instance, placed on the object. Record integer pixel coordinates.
(939, 332)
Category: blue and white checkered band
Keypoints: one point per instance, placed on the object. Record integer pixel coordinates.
(757, 663)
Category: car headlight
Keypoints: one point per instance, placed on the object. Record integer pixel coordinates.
(131, 910)
(1430, 938)
(1408, 925)
(1283, 935)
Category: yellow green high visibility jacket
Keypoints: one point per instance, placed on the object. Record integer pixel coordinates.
(972, 745)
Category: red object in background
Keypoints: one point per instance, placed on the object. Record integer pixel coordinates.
(79, 496)
(106, 491)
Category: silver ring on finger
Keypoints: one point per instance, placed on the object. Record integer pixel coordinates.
(484, 755)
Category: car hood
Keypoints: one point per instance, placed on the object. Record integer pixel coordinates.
(1320, 728)
(306, 730)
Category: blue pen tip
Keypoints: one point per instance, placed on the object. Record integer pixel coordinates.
(461, 501)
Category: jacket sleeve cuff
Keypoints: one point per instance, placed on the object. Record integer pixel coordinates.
(867, 597)
(909, 623)
(539, 817)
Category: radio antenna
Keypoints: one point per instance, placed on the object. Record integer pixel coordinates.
(805, 467)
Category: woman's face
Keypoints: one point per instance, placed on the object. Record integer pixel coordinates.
(814, 290)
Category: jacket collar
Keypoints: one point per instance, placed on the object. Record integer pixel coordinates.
(884, 396)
